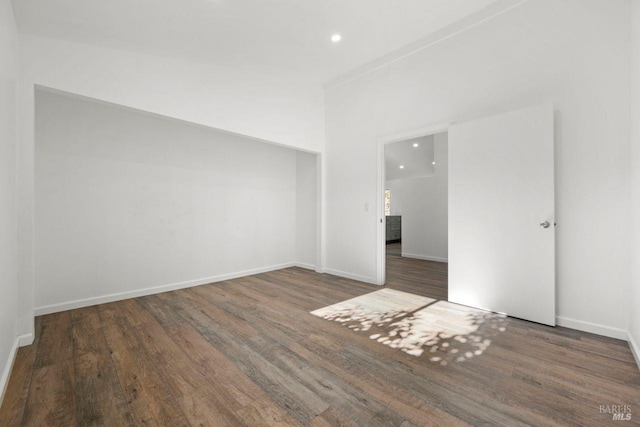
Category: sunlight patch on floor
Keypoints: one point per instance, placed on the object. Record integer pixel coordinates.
(418, 325)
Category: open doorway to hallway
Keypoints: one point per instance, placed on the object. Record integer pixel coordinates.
(416, 185)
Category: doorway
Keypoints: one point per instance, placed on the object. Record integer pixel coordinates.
(416, 224)
(501, 254)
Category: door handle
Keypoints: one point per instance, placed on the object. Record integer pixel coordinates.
(545, 224)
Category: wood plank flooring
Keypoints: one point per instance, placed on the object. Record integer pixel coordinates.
(247, 352)
(417, 276)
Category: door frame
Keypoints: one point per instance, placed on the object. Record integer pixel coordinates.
(380, 187)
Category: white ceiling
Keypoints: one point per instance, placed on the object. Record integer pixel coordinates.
(282, 36)
(417, 161)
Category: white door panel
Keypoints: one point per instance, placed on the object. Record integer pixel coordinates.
(501, 188)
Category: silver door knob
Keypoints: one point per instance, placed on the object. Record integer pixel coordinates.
(545, 224)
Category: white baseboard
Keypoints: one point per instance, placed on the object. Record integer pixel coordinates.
(306, 266)
(424, 257)
(4, 379)
(26, 339)
(351, 276)
(593, 328)
(86, 302)
(20, 341)
(635, 350)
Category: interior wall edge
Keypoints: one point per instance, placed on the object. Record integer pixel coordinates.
(25, 204)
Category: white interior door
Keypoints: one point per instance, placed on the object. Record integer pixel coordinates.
(501, 214)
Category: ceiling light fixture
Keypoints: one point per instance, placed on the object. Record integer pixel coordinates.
(401, 166)
(416, 144)
(433, 163)
(336, 38)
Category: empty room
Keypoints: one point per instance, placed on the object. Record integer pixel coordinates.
(319, 213)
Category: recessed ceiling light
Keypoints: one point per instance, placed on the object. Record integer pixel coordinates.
(336, 38)
(433, 163)
(401, 166)
(416, 144)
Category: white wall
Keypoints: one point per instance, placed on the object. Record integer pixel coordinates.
(422, 202)
(540, 51)
(635, 178)
(127, 201)
(8, 230)
(274, 105)
(268, 105)
(306, 209)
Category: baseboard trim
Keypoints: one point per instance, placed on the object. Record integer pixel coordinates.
(424, 257)
(6, 372)
(593, 328)
(359, 278)
(25, 340)
(635, 350)
(306, 266)
(86, 302)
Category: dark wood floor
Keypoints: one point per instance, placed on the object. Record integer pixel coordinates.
(247, 352)
(417, 276)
